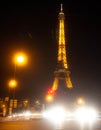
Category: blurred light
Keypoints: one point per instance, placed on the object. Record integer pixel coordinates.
(20, 58)
(80, 101)
(57, 114)
(85, 114)
(3, 106)
(12, 83)
(49, 98)
(27, 113)
(50, 93)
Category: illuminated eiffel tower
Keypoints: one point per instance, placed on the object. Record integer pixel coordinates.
(62, 72)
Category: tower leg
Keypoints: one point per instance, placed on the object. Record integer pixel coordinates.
(55, 84)
(68, 83)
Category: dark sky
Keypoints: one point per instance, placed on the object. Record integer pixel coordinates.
(32, 28)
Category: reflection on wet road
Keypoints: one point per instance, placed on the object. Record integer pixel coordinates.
(41, 124)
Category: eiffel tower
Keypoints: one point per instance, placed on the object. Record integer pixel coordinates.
(62, 72)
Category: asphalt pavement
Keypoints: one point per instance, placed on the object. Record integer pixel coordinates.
(43, 124)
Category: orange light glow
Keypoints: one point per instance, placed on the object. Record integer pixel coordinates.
(20, 59)
(12, 83)
(80, 101)
(49, 98)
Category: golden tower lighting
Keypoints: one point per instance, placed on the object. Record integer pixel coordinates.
(62, 72)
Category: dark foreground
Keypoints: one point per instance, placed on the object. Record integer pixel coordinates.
(42, 124)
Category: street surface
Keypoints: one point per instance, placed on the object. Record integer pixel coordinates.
(43, 124)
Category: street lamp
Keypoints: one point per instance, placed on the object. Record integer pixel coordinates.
(13, 103)
(80, 101)
(13, 85)
(49, 98)
(50, 94)
(20, 59)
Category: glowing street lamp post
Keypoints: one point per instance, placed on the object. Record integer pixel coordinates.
(19, 59)
(13, 85)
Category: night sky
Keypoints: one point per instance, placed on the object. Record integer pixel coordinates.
(32, 28)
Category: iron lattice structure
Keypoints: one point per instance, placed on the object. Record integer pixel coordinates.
(62, 72)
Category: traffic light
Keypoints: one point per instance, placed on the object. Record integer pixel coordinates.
(49, 98)
(50, 94)
(51, 91)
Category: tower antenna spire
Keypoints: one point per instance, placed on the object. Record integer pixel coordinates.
(61, 7)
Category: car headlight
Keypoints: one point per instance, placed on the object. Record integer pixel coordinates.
(85, 114)
(56, 114)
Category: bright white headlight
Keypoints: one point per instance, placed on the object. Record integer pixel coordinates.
(27, 113)
(56, 114)
(85, 114)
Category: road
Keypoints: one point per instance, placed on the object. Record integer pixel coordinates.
(42, 124)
